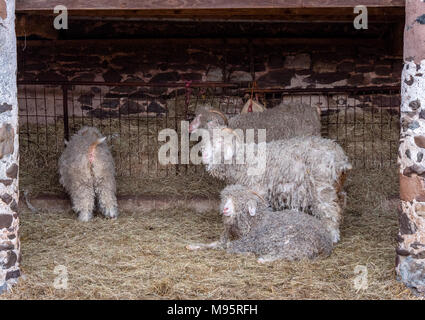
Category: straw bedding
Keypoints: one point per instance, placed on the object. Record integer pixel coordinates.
(144, 256)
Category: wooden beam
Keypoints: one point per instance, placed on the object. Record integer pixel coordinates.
(208, 42)
(48, 5)
(375, 14)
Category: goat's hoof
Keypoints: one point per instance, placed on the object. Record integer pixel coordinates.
(266, 259)
(84, 217)
(111, 213)
(262, 260)
(335, 236)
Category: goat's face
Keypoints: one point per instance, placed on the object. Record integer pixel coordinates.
(238, 216)
(228, 208)
(205, 114)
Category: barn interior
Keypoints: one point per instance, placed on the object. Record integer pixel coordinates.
(135, 76)
(134, 72)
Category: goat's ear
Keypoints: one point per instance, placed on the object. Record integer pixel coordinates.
(227, 151)
(196, 122)
(84, 130)
(100, 140)
(65, 142)
(252, 211)
(252, 208)
(319, 110)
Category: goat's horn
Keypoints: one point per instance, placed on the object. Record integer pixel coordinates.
(221, 114)
(258, 195)
(232, 132)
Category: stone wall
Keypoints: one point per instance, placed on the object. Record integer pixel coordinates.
(9, 151)
(410, 260)
(273, 63)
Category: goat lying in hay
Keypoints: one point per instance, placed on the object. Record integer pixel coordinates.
(251, 227)
(301, 173)
(282, 122)
(87, 172)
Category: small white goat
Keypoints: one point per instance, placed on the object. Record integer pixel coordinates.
(86, 169)
(251, 227)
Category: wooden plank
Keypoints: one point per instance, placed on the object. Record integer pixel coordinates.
(48, 5)
(375, 14)
(210, 42)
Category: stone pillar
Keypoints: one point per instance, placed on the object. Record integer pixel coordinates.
(410, 261)
(9, 152)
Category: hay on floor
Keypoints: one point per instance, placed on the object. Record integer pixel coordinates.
(144, 256)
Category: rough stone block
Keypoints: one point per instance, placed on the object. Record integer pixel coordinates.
(5, 107)
(299, 61)
(240, 76)
(12, 171)
(5, 221)
(215, 74)
(324, 67)
(411, 187)
(281, 77)
(7, 136)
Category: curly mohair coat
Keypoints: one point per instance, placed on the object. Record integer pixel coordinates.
(251, 227)
(87, 172)
(282, 122)
(301, 173)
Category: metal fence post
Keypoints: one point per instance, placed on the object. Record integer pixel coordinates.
(65, 112)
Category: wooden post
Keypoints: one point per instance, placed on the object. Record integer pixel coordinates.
(410, 261)
(9, 159)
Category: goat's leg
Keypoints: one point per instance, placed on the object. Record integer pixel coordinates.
(107, 200)
(326, 207)
(204, 246)
(219, 245)
(83, 203)
(339, 186)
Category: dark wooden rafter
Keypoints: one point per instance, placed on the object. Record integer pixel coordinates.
(283, 14)
(265, 10)
(213, 42)
(319, 14)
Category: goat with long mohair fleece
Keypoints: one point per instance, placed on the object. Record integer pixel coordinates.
(251, 227)
(282, 122)
(87, 172)
(302, 173)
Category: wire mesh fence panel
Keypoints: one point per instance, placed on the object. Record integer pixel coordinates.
(365, 122)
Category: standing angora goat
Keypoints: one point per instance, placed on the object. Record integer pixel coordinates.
(301, 173)
(86, 169)
(282, 122)
(250, 227)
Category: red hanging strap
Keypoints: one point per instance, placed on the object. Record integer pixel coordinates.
(188, 92)
(254, 84)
